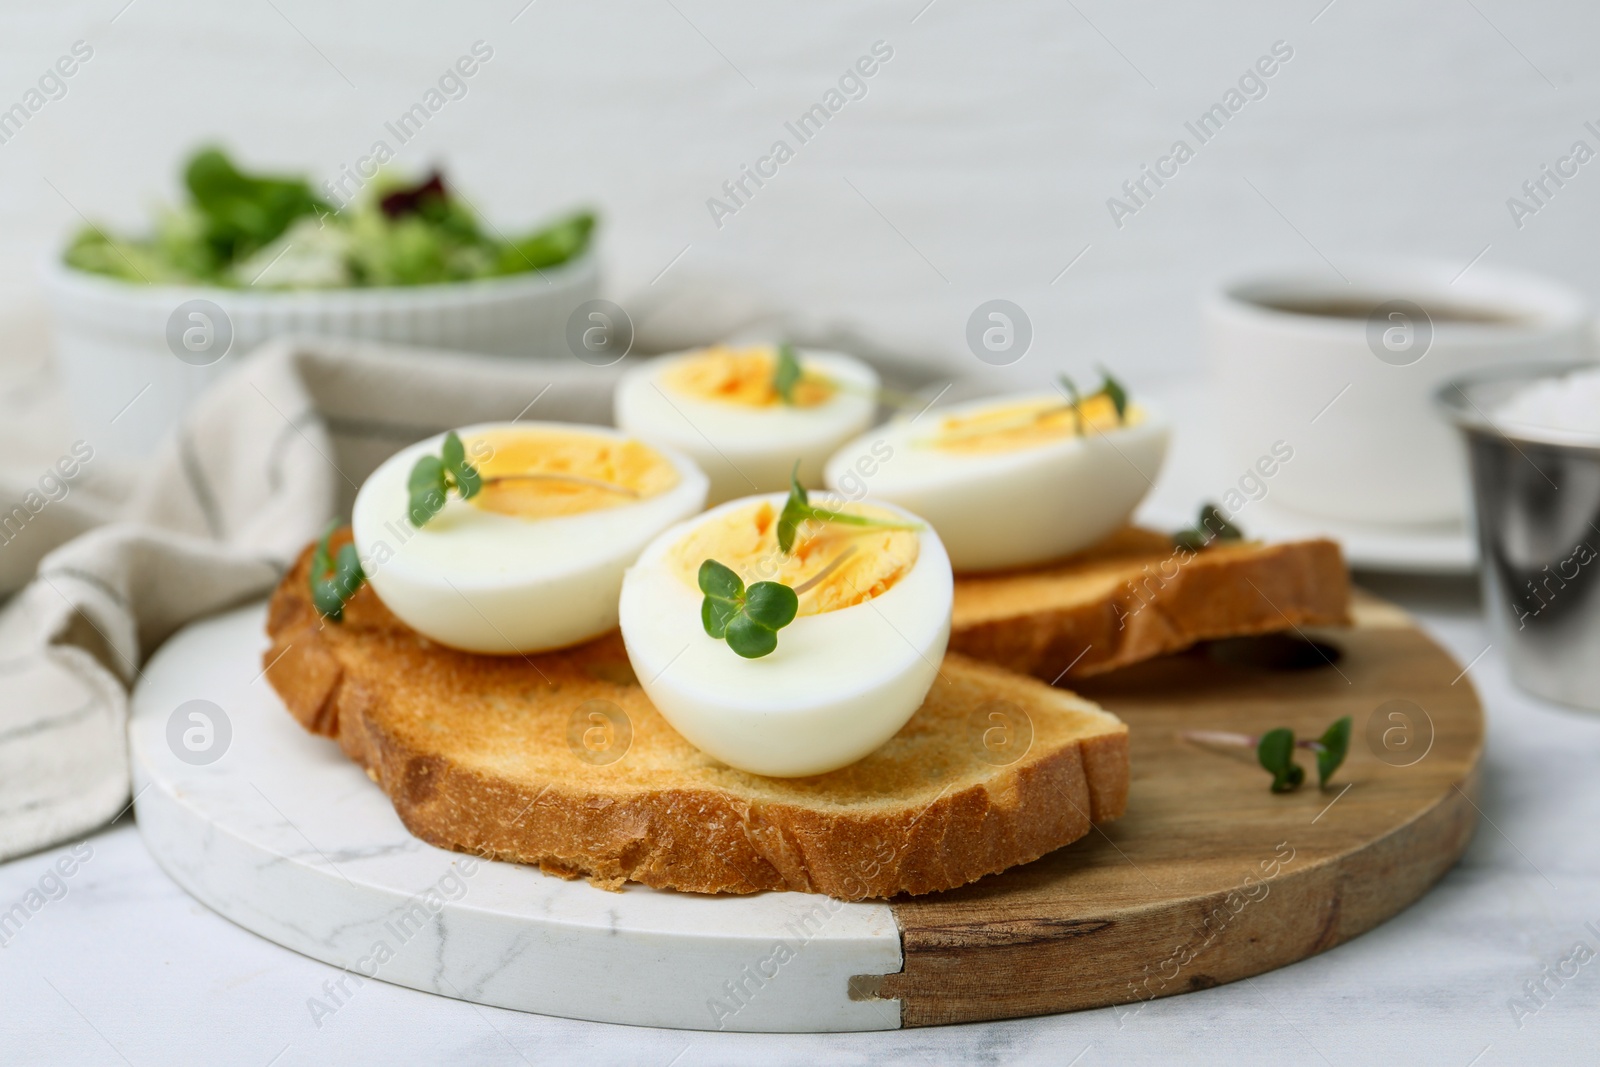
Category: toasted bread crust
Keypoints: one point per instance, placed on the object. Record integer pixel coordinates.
(1135, 596)
(677, 819)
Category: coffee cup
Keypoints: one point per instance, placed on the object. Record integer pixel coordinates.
(1342, 371)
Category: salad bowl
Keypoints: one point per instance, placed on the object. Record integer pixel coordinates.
(143, 325)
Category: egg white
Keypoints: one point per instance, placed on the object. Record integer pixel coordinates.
(746, 450)
(485, 582)
(1015, 508)
(840, 683)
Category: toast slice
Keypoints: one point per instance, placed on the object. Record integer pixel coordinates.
(496, 755)
(1134, 596)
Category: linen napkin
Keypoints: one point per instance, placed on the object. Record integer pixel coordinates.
(255, 471)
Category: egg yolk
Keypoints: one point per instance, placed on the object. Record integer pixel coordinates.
(832, 566)
(1009, 427)
(742, 376)
(541, 474)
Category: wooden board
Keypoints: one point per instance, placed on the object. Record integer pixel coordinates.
(1210, 878)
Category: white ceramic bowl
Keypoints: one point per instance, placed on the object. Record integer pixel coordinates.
(126, 386)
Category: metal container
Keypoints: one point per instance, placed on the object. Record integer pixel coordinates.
(1536, 499)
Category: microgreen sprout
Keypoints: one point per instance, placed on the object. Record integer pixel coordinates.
(433, 477)
(1331, 749)
(334, 578)
(786, 374)
(798, 509)
(748, 619)
(1211, 526)
(1117, 394)
(1110, 388)
(1275, 751)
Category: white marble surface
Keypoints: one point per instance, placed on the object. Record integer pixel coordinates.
(278, 831)
(127, 967)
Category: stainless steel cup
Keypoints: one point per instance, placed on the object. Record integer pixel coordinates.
(1536, 498)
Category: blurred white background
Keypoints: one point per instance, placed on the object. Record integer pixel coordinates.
(978, 165)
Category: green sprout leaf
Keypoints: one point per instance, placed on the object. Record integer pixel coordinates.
(750, 639)
(724, 600)
(786, 374)
(334, 579)
(432, 478)
(427, 488)
(797, 509)
(1211, 526)
(1071, 387)
(1119, 396)
(464, 474)
(1110, 388)
(1332, 747)
(771, 605)
(748, 619)
(1275, 751)
(1211, 518)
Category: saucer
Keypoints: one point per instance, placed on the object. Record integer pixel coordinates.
(1196, 473)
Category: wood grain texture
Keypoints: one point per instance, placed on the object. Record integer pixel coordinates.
(1209, 877)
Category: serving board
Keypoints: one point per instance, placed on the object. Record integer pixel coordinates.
(1209, 878)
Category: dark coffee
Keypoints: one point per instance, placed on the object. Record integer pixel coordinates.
(1355, 307)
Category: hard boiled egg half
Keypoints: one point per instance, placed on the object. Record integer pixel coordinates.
(729, 410)
(533, 561)
(1011, 481)
(856, 662)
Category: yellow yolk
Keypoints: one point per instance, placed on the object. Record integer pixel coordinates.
(741, 376)
(746, 539)
(1015, 426)
(541, 474)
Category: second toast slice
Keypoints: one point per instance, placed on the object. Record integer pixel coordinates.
(1135, 596)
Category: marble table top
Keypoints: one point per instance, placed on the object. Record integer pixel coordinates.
(122, 966)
